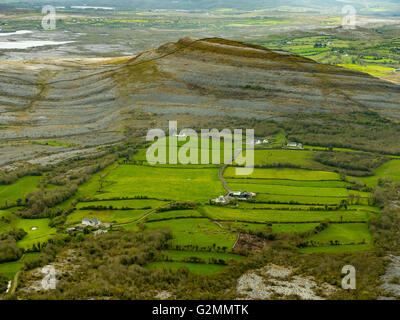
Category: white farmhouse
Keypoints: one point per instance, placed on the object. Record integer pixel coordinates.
(91, 222)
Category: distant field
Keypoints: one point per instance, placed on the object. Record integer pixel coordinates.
(9, 194)
(377, 71)
(286, 173)
(163, 183)
(220, 213)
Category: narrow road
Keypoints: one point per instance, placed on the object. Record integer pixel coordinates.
(237, 240)
(223, 181)
(222, 170)
(142, 217)
(14, 284)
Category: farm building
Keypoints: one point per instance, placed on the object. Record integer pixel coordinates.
(220, 199)
(254, 142)
(100, 231)
(295, 145)
(91, 222)
(242, 195)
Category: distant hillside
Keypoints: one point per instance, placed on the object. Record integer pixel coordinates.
(394, 5)
(206, 78)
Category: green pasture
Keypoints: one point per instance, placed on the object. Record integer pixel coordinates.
(196, 232)
(119, 204)
(302, 158)
(287, 174)
(42, 233)
(390, 169)
(9, 269)
(221, 213)
(345, 233)
(276, 227)
(163, 183)
(290, 190)
(311, 200)
(268, 206)
(108, 216)
(173, 215)
(294, 183)
(9, 194)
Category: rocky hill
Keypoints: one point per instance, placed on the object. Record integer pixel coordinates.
(89, 101)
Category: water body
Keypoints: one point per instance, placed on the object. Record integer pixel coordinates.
(5, 34)
(89, 7)
(21, 45)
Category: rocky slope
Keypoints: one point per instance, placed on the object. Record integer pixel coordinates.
(88, 101)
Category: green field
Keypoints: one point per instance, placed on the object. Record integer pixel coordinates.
(108, 216)
(291, 190)
(220, 213)
(277, 227)
(196, 232)
(163, 183)
(256, 205)
(310, 200)
(9, 194)
(173, 215)
(301, 158)
(287, 174)
(390, 169)
(294, 183)
(41, 234)
(119, 204)
(9, 269)
(346, 233)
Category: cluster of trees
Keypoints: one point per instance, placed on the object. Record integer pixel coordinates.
(9, 250)
(38, 204)
(3, 283)
(179, 206)
(79, 171)
(12, 176)
(191, 247)
(110, 207)
(352, 162)
(194, 259)
(366, 131)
